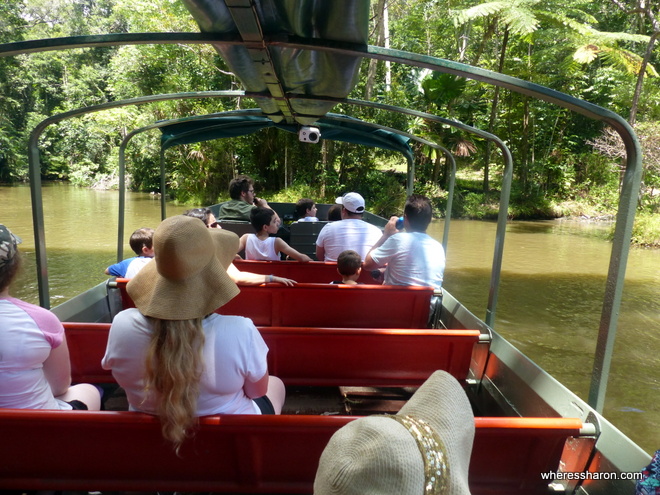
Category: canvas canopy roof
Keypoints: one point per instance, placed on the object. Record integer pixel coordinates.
(332, 126)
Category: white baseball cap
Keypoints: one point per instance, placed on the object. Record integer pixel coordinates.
(352, 201)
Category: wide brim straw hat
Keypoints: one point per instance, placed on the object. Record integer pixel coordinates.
(226, 245)
(424, 449)
(187, 279)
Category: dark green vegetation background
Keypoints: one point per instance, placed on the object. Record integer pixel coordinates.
(564, 164)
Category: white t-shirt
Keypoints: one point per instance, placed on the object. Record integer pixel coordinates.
(234, 352)
(258, 249)
(413, 258)
(136, 265)
(28, 333)
(350, 233)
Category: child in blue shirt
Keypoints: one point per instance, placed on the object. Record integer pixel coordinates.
(141, 243)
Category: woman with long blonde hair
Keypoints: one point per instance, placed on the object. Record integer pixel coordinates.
(173, 355)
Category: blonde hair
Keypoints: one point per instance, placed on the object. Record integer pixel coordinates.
(174, 367)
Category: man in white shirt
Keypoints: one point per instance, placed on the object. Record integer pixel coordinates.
(350, 233)
(412, 257)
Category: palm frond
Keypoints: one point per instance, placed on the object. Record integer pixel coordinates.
(569, 66)
(478, 11)
(520, 21)
(614, 37)
(625, 60)
(586, 54)
(463, 147)
(608, 37)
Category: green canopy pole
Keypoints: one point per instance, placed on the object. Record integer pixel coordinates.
(163, 206)
(450, 199)
(38, 215)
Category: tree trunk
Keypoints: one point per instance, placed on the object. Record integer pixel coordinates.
(386, 44)
(380, 13)
(524, 163)
(640, 77)
(437, 165)
(490, 30)
(493, 112)
(286, 164)
(642, 8)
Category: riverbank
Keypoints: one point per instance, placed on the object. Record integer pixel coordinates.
(471, 205)
(475, 206)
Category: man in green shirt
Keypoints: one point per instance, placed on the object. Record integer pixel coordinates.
(241, 191)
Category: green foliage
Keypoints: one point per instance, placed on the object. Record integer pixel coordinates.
(383, 192)
(590, 50)
(443, 89)
(437, 196)
(474, 205)
(299, 191)
(646, 230)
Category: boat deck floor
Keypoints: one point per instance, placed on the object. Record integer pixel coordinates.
(354, 401)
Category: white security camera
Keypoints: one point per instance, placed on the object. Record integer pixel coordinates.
(308, 134)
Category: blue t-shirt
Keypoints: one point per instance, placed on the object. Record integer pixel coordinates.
(119, 269)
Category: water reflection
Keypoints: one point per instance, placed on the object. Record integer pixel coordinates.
(81, 231)
(550, 303)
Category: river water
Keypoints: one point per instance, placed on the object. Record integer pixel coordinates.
(552, 284)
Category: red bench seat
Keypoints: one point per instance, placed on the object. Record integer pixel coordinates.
(326, 305)
(81, 450)
(319, 356)
(121, 450)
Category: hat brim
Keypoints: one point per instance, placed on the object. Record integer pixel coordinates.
(378, 455)
(443, 404)
(226, 245)
(159, 297)
(185, 298)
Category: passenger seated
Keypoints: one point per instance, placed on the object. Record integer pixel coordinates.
(306, 211)
(351, 233)
(205, 215)
(241, 191)
(141, 243)
(334, 213)
(423, 449)
(239, 277)
(173, 355)
(349, 266)
(411, 257)
(35, 371)
(261, 246)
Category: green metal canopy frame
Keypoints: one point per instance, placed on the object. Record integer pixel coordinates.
(356, 50)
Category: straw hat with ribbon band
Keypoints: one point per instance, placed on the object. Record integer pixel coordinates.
(187, 279)
(425, 449)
